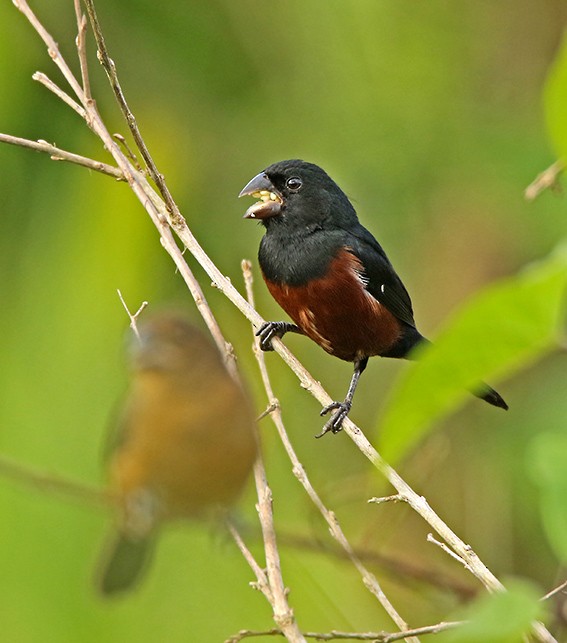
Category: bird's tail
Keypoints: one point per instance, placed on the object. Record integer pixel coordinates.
(483, 391)
(488, 394)
(124, 562)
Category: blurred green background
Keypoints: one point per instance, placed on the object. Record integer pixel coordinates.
(430, 116)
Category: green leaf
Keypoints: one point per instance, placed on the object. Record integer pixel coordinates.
(496, 333)
(555, 100)
(547, 463)
(504, 617)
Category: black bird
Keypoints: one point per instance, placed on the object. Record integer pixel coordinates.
(330, 275)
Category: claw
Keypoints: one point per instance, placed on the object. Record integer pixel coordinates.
(334, 424)
(272, 329)
(267, 332)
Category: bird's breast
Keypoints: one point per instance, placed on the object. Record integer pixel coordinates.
(337, 312)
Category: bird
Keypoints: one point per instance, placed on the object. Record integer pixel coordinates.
(183, 447)
(331, 276)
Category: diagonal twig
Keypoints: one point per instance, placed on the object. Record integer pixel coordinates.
(337, 533)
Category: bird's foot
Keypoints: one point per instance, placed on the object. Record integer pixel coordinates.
(269, 330)
(334, 424)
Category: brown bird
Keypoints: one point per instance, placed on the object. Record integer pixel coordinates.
(184, 445)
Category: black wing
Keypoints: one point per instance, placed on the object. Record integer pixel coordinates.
(382, 281)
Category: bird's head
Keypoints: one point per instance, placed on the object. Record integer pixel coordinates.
(300, 192)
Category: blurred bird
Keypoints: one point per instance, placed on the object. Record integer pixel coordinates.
(330, 275)
(184, 445)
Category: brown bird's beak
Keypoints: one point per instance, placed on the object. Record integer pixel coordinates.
(270, 204)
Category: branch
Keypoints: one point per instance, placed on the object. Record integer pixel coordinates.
(110, 69)
(547, 179)
(335, 635)
(560, 589)
(282, 612)
(395, 566)
(261, 579)
(50, 483)
(57, 154)
(337, 533)
(133, 317)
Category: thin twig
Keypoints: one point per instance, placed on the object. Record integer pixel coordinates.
(261, 579)
(51, 483)
(282, 612)
(336, 635)
(396, 566)
(557, 590)
(52, 48)
(337, 533)
(379, 501)
(81, 43)
(129, 153)
(57, 154)
(133, 317)
(447, 550)
(547, 179)
(41, 78)
(110, 69)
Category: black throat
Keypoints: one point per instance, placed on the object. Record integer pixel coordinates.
(293, 255)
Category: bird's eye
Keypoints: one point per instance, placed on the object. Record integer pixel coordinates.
(294, 183)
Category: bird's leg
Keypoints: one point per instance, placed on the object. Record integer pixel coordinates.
(273, 329)
(343, 408)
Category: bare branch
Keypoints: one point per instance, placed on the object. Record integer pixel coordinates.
(261, 579)
(57, 154)
(447, 550)
(50, 483)
(282, 612)
(337, 533)
(110, 69)
(129, 153)
(379, 501)
(52, 48)
(559, 589)
(547, 179)
(81, 42)
(134, 317)
(397, 567)
(336, 635)
(40, 77)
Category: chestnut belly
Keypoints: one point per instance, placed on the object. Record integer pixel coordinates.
(338, 313)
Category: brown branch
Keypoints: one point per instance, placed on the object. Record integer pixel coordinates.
(336, 635)
(380, 501)
(393, 565)
(299, 472)
(547, 179)
(110, 69)
(81, 43)
(133, 317)
(282, 612)
(261, 578)
(50, 483)
(52, 48)
(57, 154)
(44, 80)
(559, 589)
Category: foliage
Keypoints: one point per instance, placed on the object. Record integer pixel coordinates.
(498, 332)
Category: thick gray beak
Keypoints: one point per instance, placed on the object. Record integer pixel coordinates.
(270, 203)
(259, 183)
